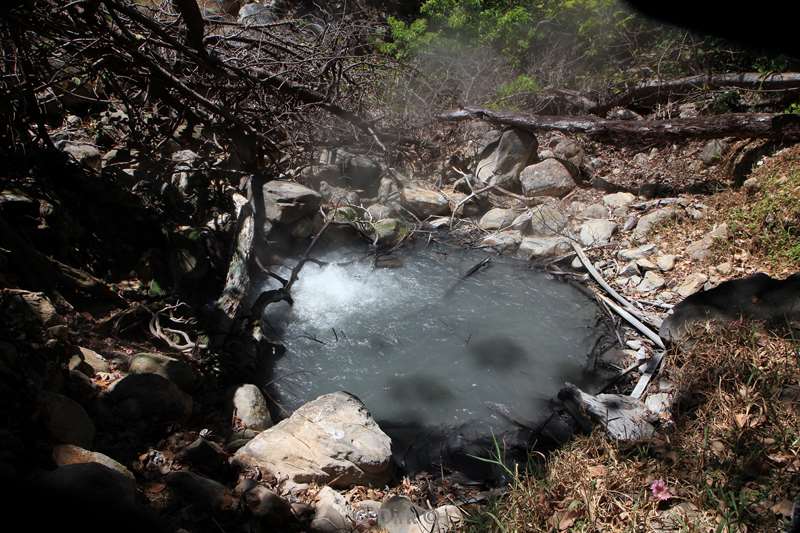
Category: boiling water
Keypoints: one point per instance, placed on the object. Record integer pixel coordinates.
(426, 348)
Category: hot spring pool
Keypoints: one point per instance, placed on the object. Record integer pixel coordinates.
(437, 359)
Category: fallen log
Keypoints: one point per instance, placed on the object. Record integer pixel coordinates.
(649, 93)
(762, 125)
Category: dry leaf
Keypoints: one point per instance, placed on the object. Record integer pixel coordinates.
(597, 471)
(783, 508)
(741, 419)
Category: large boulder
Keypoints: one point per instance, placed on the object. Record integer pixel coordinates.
(175, 370)
(548, 178)
(287, 201)
(66, 421)
(501, 161)
(91, 483)
(331, 440)
(148, 398)
(424, 202)
(68, 454)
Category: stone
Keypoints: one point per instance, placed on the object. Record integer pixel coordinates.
(646, 264)
(287, 201)
(497, 218)
(175, 370)
(576, 264)
(332, 513)
(751, 185)
(379, 211)
(502, 161)
(338, 195)
(148, 398)
(66, 421)
(200, 491)
(204, 454)
(399, 515)
(691, 284)
(388, 190)
(470, 208)
(256, 13)
(249, 409)
(537, 247)
(724, 268)
(654, 219)
(619, 199)
(548, 178)
(303, 228)
(342, 445)
(544, 220)
(641, 159)
(659, 402)
(700, 250)
(389, 231)
(503, 242)
(91, 483)
(81, 388)
(624, 418)
(595, 211)
(424, 202)
(96, 361)
(597, 232)
(665, 263)
(713, 151)
(571, 151)
(650, 282)
(84, 153)
(69, 454)
(268, 505)
(628, 270)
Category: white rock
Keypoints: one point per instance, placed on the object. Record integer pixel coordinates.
(533, 247)
(654, 219)
(548, 178)
(595, 232)
(595, 211)
(497, 218)
(651, 281)
(631, 254)
(504, 242)
(692, 284)
(249, 409)
(619, 199)
(665, 262)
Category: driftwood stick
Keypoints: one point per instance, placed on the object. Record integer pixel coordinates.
(633, 321)
(652, 369)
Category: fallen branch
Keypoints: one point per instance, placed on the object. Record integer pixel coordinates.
(633, 321)
(769, 125)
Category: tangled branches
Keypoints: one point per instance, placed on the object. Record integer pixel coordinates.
(255, 86)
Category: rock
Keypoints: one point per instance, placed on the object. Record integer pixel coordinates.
(632, 254)
(343, 445)
(388, 190)
(200, 491)
(596, 232)
(268, 505)
(595, 211)
(502, 161)
(700, 250)
(620, 113)
(535, 247)
(630, 223)
(646, 264)
(303, 228)
(80, 387)
(332, 513)
(338, 195)
(424, 202)
(641, 159)
(724, 268)
(84, 153)
(548, 178)
(630, 269)
(256, 14)
(358, 171)
(204, 454)
(624, 418)
(68, 454)
(96, 361)
(389, 231)
(545, 220)
(497, 218)
(576, 264)
(571, 151)
(175, 370)
(503, 242)
(469, 209)
(659, 402)
(691, 284)
(90, 483)
(654, 219)
(148, 398)
(399, 515)
(287, 201)
(665, 262)
(751, 185)
(40, 307)
(379, 211)
(651, 282)
(249, 409)
(712, 152)
(619, 199)
(66, 421)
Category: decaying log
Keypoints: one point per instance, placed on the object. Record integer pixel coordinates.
(763, 125)
(647, 94)
(624, 418)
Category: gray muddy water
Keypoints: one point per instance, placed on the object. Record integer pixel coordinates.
(430, 351)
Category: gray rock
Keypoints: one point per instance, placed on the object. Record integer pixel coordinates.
(358, 171)
(379, 211)
(537, 247)
(713, 151)
(632, 254)
(665, 262)
(249, 409)
(548, 178)
(332, 513)
(313, 175)
(571, 151)
(654, 219)
(200, 491)
(175, 370)
(646, 264)
(91, 483)
(651, 282)
(700, 250)
(624, 418)
(389, 231)
(595, 211)
(342, 445)
(338, 195)
(628, 270)
(596, 232)
(619, 199)
(96, 361)
(399, 515)
(424, 202)
(497, 218)
(287, 201)
(147, 398)
(256, 14)
(66, 421)
(751, 185)
(388, 190)
(84, 153)
(659, 402)
(503, 242)
(69, 454)
(502, 162)
(545, 220)
(269, 506)
(691, 284)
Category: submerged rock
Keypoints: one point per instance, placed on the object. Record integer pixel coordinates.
(341, 445)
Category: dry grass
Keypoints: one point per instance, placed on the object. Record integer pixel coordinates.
(732, 459)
